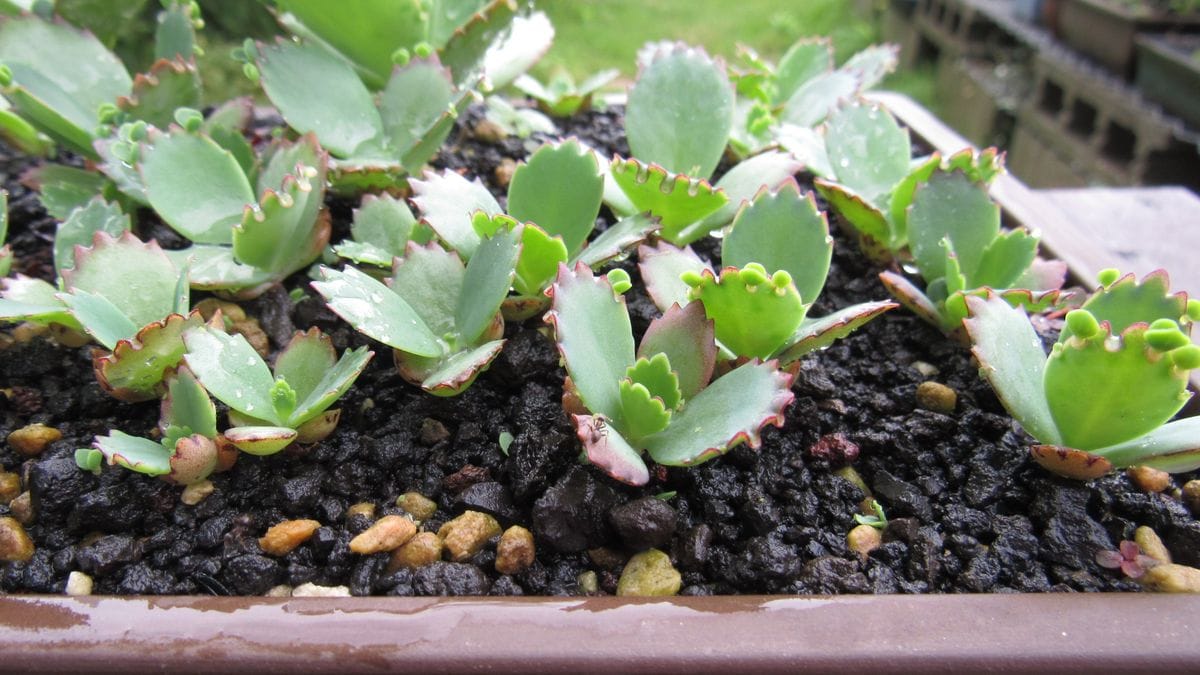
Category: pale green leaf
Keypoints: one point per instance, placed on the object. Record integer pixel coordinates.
(559, 190)
(231, 371)
(80, 228)
(197, 186)
(374, 310)
(486, 282)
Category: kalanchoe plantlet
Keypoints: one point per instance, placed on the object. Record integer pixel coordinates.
(661, 399)
(125, 294)
(560, 96)
(957, 244)
(441, 317)
(1117, 373)
(776, 259)
(190, 448)
(270, 412)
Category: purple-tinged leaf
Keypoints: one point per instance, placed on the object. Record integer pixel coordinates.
(911, 297)
(1069, 462)
(134, 453)
(818, 333)
(614, 242)
(686, 336)
(607, 449)
(661, 267)
(193, 459)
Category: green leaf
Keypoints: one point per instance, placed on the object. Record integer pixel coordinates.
(81, 226)
(676, 200)
(619, 238)
(1004, 260)
(685, 336)
(662, 268)
(872, 64)
(951, 206)
(446, 16)
(305, 360)
(464, 50)
(214, 268)
(285, 232)
(374, 310)
(559, 190)
(175, 35)
(335, 381)
(89, 459)
(594, 335)
(680, 111)
(260, 440)
(231, 371)
(452, 376)
(103, 320)
(64, 69)
(486, 282)
(869, 151)
(1101, 394)
(430, 279)
(367, 32)
(195, 185)
(902, 196)
(734, 408)
(315, 92)
(820, 332)
(657, 375)
(541, 255)
(1172, 447)
(62, 189)
(108, 20)
(528, 41)
(133, 453)
(803, 61)
(1128, 301)
(137, 278)
(864, 217)
(414, 100)
(753, 314)
(187, 405)
(783, 231)
(27, 299)
(607, 449)
(156, 95)
(643, 413)
(135, 369)
(817, 98)
(915, 300)
(1012, 361)
(447, 202)
(740, 184)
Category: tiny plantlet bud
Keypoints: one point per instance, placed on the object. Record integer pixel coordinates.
(423, 50)
(137, 131)
(1082, 323)
(1193, 310)
(1186, 358)
(1164, 335)
(401, 57)
(619, 279)
(107, 113)
(753, 274)
(189, 118)
(692, 278)
(6, 76)
(1108, 276)
(251, 72)
(781, 279)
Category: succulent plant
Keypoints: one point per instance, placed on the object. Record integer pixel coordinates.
(560, 96)
(557, 194)
(1116, 375)
(188, 451)
(776, 259)
(125, 294)
(472, 37)
(782, 103)
(662, 399)
(70, 87)
(441, 317)
(958, 247)
(678, 121)
(380, 230)
(375, 142)
(243, 243)
(271, 411)
(869, 177)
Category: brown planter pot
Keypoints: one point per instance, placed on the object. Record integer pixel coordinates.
(936, 633)
(1168, 73)
(1106, 31)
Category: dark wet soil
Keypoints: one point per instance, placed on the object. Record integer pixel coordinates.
(969, 511)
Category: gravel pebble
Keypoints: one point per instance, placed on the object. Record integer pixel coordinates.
(647, 574)
(515, 552)
(387, 534)
(282, 538)
(464, 536)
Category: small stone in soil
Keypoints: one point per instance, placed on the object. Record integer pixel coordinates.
(311, 590)
(649, 574)
(644, 523)
(79, 583)
(417, 505)
(22, 508)
(1149, 479)
(448, 578)
(936, 397)
(515, 552)
(423, 549)
(1191, 496)
(282, 538)
(15, 544)
(10, 487)
(835, 449)
(387, 534)
(464, 536)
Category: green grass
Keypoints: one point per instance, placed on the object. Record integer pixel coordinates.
(597, 34)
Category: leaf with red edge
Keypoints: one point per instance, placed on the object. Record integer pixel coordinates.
(607, 449)
(686, 336)
(135, 369)
(676, 199)
(662, 267)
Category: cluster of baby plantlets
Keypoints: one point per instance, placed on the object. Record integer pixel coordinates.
(1116, 375)
(560, 96)
(776, 258)
(66, 84)
(557, 194)
(440, 316)
(662, 399)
